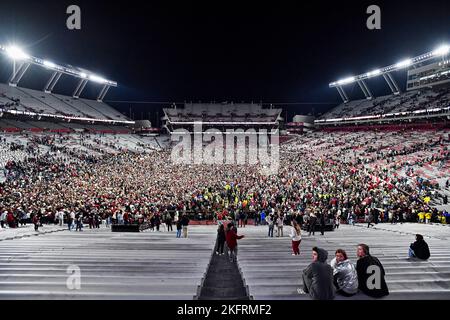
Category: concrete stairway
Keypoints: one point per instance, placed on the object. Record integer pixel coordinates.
(271, 272)
(223, 281)
(144, 265)
(156, 265)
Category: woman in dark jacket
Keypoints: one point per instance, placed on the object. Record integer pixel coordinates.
(221, 237)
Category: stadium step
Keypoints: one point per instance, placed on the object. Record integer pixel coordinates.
(223, 280)
(271, 272)
(145, 265)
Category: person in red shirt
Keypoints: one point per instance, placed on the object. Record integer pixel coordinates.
(126, 217)
(11, 221)
(36, 222)
(231, 238)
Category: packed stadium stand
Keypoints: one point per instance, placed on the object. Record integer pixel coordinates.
(15, 125)
(23, 99)
(410, 101)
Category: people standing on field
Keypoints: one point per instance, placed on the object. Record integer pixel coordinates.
(296, 237)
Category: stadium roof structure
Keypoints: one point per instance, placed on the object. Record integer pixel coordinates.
(385, 72)
(22, 62)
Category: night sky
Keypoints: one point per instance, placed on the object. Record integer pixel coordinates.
(274, 52)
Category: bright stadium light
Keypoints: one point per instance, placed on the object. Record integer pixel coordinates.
(403, 64)
(16, 53)
(83, 75)
(346, 80)
(98, 79)
(442, 50)
(49, 64)
(374, 72)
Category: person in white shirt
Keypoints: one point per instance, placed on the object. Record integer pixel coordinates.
(60, 217)
(270, 223)
(71, 221)
(280, 226)
(120, 217)
(296, 236)
(337, 220)
(3, 218)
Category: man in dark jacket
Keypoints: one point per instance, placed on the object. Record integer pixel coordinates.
(376, 215)
(168, 222)
(318, 277)
(221, 238)
(419, 249)
(370, 219)
(370, 273)
(184, 224)
(322, 223)
(312, 223)
(299, 220)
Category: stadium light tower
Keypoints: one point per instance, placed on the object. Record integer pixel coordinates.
(49, 64)
(385, 72)
(25, 60)
(404, 63)
(16, 53)
(442, 50)
(18, 56)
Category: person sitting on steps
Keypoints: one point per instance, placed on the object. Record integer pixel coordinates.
(419, 249)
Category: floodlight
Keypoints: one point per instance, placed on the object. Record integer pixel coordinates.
(83, 75)
(346, 80)
(95, 78)
(16, 53)
(442, 50)
(373, 72)
(49, 64)
(403, 64)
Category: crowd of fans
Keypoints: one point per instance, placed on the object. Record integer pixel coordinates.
(322, 177)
